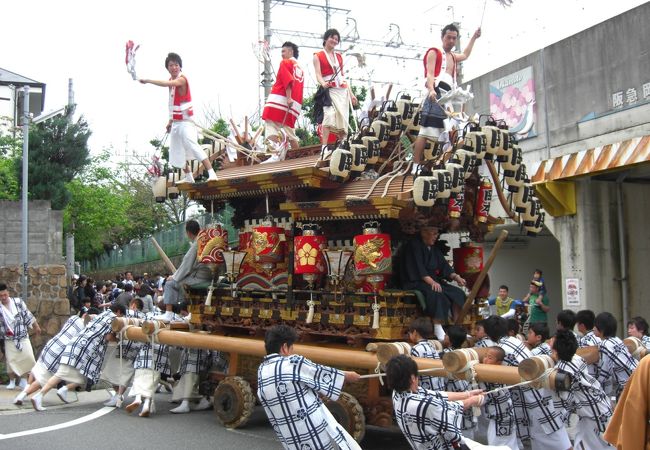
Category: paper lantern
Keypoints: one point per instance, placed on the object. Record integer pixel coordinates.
(159, 188)
(475, 142)
(493, 141)
(522, 197)
(432, 150)
(372, 253)
(172, 190)
(308, 253)
(405, 108)
(340, 163)
(444, 183)
(381, 129)
(503, 151)
(457, 176)
(425, 190)
(359, 158)
(535, 229)
(337, 261)
(211, 243)
(517, 180)
(466, 159)
(267, 244)
(483, 199)
(512, 163)
(456, 203)
(374, 149)
(533, 210)
(394, 119)
(468, 258)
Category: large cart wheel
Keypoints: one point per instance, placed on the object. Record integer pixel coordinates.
(233, 402)
(348, 412)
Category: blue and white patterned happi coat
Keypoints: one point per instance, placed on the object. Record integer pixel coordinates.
(86, 352)
(288, 388)
(615, 366)
(586, 397)
(51, 353)
(428, 420)
(425, 349)
(23, 320)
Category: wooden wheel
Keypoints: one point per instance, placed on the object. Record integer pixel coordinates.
(348, 412)
(233, 402)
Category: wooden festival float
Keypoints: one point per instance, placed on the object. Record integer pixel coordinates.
(318, 243)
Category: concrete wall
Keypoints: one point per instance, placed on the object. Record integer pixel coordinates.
(45, 233)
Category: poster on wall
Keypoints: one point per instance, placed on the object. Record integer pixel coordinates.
(572, 292)
(512, 99)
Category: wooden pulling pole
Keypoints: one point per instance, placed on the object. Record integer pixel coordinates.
(357, 359)
(481, 276)
(163, 256)
(590, 354)
(458, 359)
(500, 194)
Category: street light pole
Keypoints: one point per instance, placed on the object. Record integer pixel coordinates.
(25, 225)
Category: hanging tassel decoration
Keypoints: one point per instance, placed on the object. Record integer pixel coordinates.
(310, 313)
(208, 299)
(375, 315)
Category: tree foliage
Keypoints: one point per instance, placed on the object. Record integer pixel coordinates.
(10, 148)
(110, 206)
(58, 151)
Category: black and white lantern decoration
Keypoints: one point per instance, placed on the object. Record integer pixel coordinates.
(432, 149)
(444, 183)
(425, 191)
(513, 162)
(359, 158)
(381, 129)
(467, 159)
(493, 141)
(373, 147)
(405, 108)
(457, 174)
(522, 197)
(535, 229)
(517, 180)
(476, 142)
(341, 163)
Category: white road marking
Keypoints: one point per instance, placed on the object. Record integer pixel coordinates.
(100, 412)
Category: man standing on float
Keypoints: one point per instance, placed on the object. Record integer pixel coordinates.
(183, 145)
(440, 67)
(284, 103)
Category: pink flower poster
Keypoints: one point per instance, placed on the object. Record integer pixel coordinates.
(512, 99)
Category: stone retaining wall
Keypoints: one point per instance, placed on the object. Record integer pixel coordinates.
(47, 299)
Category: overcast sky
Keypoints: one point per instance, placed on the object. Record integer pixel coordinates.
(53, 41)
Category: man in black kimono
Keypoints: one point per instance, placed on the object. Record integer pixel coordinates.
(424, 268)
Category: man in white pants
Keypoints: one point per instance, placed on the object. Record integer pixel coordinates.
(15, 319)
(183, 145)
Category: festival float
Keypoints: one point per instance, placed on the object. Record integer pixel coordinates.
(318, 248)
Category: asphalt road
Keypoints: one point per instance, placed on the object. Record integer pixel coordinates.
(113, 429)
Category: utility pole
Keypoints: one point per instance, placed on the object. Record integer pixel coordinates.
(69, 238)
(327, 14)
(25, 199)
(267, 80)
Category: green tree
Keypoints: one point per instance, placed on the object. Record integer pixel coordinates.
(110, 206)
(58, 151)
(10, 147)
